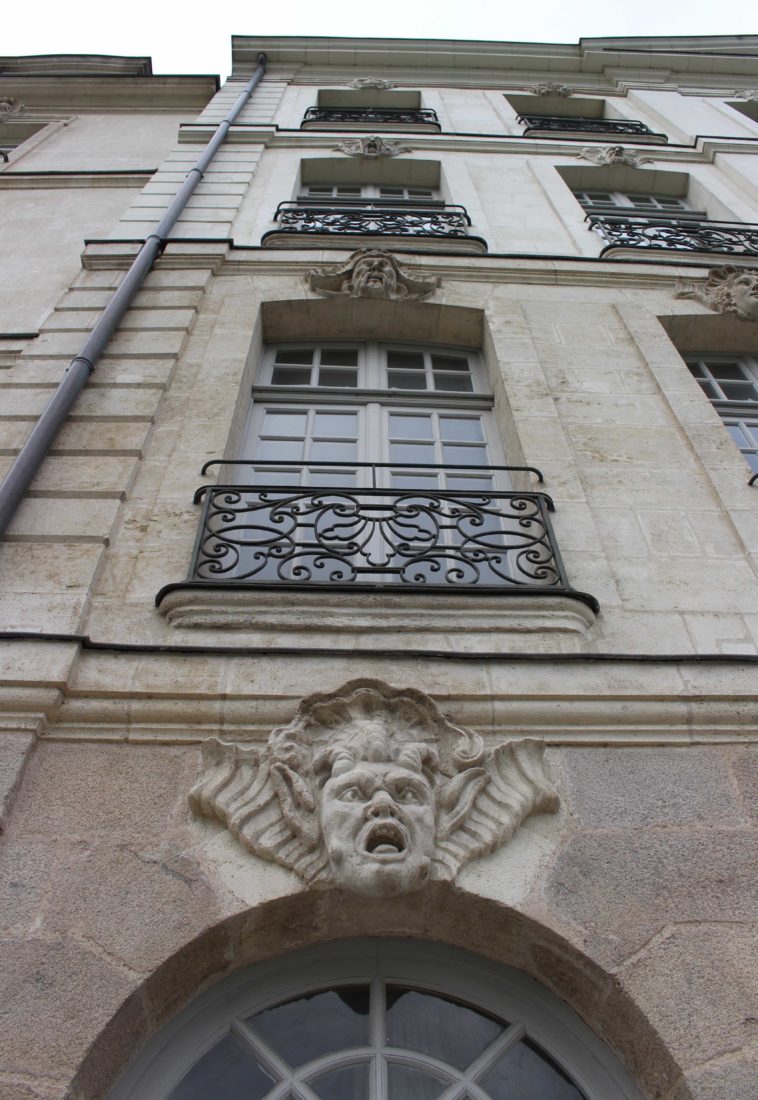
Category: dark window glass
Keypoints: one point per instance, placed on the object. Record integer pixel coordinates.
(407, 1083)
(526, 1073)
(413, 360)
(348, 1083)
(406, 380)
(291, 376)
(340, 357)
(435, 1025)
(226, 1072)
(294, 355)
(314, 1025)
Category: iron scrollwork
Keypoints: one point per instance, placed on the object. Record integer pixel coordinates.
(560, 123)
(335, 536)
(679, 236)
(387, 116)
(373, 219)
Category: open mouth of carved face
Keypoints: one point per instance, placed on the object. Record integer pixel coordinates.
(385, 839)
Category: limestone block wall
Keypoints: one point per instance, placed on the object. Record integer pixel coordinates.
(634, 902)
(118, 906)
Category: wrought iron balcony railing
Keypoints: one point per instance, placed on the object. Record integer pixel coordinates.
(369, 116)
(605, 126)
(671, 234)
(340, 536)
(372, 219)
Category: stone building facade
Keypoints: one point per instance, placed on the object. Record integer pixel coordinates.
(437, 689)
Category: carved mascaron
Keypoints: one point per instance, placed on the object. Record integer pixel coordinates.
(727, 290)
(614, 154)
(372, 789)
(370, 273)
(550, 87)
(371, 146)
(371, 82)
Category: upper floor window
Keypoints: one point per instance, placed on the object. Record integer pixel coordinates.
(731, 384)
(325, 192)
(620, 202)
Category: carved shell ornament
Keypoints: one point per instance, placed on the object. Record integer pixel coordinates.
(370, 788)
(727, 290)
(370, 273)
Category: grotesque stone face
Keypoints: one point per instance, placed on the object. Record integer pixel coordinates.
(378, 826)
(745, 295)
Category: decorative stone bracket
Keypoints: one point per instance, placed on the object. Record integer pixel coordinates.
(372, 789)
(727, 290)
(370, 273)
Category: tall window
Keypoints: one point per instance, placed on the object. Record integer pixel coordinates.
(360, 415)
(731, 383)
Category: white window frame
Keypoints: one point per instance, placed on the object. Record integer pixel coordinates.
(636, 204)
(367, 192)
(739, 414)
(508, 994)
(375, 401)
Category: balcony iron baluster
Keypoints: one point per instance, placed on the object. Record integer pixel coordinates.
(373, 219)
(379, 537)
(370, 116)
(561, 124)
(729, 238)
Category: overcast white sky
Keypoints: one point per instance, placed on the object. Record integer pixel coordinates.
(193, 37)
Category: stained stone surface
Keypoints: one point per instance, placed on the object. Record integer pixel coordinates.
(623, 885)
(650, 786)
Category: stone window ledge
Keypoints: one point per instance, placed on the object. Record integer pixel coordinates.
(483, 622)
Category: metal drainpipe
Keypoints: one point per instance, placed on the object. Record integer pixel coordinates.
(81, 366)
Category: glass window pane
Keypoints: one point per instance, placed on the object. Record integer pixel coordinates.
(728, 371)
(422, 483)
(287, 475)
(470, 484)
(273, 449)
(406, 380)
(458, 427)
(405, 360)
(294, 355)
(453, 383)
(411, 452)
(466, 456)
(450, 362)
(392, 192)
(328, 451)
(407, 1083)
(348, 379)
(340, 479)
(348, 1083)
(697, 369)
(343, 425)
(410, 427)
(340, 357)
(291, 376)
(284, 423)
(226, 1072)
(739, 391)
(737, 434)
(526, 1073)
(438, 1026)
(316, 1024)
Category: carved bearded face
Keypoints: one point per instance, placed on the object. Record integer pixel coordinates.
(378, 827)
(745, 295)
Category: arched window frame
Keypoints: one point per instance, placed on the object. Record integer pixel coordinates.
(495, 989)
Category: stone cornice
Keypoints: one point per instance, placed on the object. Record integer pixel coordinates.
(704, 151)
(722, 57)
(108, 92)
